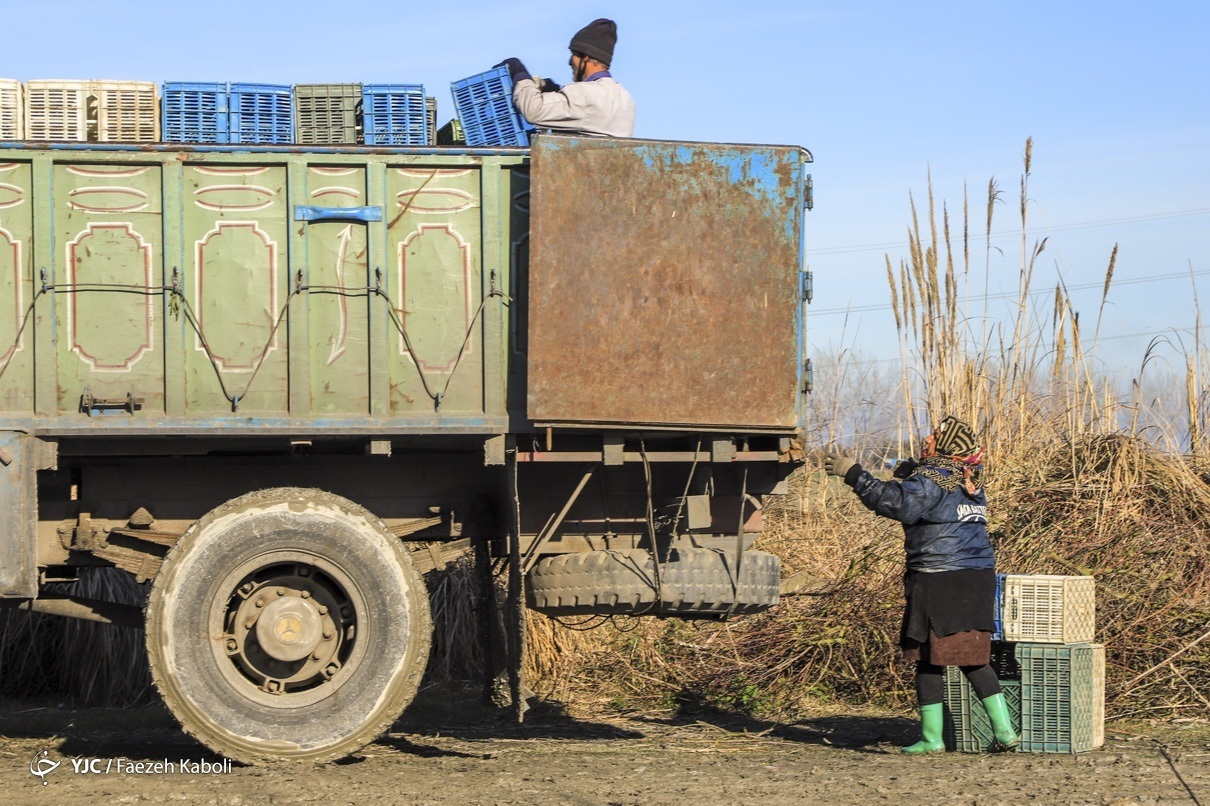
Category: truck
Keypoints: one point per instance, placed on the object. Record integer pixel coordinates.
(278, 383)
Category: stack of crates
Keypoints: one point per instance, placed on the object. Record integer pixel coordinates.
(194, 112)
(92, 111)
(12, 110)
(430, 112)
(261, 113)
(1052, 674)
(394, 115)
(327, 113)
(484, 104)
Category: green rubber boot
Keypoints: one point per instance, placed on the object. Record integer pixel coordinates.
(931, 717)
(997, 711)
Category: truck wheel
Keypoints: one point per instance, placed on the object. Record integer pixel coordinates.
(693, 582)
(287, 624)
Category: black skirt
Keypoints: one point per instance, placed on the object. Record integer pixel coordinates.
(947, 602)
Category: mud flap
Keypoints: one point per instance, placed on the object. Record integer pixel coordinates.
(18, 515)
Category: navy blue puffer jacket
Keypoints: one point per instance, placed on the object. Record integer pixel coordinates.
(943, 531)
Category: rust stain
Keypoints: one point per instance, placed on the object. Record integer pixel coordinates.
(682, 283)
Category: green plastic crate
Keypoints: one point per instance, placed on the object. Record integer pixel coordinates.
(967, 728)
(326, 114)
(451, 134)
(1062, 697)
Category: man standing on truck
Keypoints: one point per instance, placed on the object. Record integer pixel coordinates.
(593, 104)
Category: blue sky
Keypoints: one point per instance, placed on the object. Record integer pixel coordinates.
(1116, 96)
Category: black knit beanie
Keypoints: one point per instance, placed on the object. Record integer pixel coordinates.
(596, 40)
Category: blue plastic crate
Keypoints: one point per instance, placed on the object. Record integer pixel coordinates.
(194, 112)
(998, 633)
(261, 113)
(485, 107)
(394, 115)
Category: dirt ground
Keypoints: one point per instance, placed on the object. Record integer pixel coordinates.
(450, 749)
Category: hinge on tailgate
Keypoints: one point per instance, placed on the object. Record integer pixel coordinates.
(808, 377)
(808, 286)
(808, 192)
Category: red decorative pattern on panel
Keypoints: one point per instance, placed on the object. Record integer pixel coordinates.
(18, 339)
(77, 251)
(75, 196)
(80, 170)
(258, 198)
(11, 195)
(335, 190)
(431, 173)
(213, 170)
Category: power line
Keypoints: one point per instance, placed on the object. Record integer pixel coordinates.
(1153, 334)
(1104, 222)
(1155, 278)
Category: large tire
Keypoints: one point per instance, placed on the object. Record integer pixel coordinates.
(693, 582)
(287, 624)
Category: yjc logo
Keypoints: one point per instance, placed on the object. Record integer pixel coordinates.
(42, 766)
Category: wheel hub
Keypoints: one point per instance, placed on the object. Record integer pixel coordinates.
(289, 628)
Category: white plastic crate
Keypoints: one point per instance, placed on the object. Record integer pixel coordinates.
(1041, 609)
(12, 110)
(127, 111)
(58, 110)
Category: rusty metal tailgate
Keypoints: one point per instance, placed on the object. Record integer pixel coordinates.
(664, 283)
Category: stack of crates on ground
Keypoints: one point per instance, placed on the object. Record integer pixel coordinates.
(194, 112)
(12, 110)
(92, 111)
(1052, 675)
(484, 104)
(327, 113)
(394, 115)
(261, 113)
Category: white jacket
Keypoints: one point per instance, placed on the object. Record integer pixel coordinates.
(598, 105)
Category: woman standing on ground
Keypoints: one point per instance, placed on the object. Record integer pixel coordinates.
(950, 583)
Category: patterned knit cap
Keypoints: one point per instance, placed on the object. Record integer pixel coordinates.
(956, 438)
(957, 459)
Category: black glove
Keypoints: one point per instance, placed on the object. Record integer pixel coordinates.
(546, 85)
(905, 468)
(516, 70)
